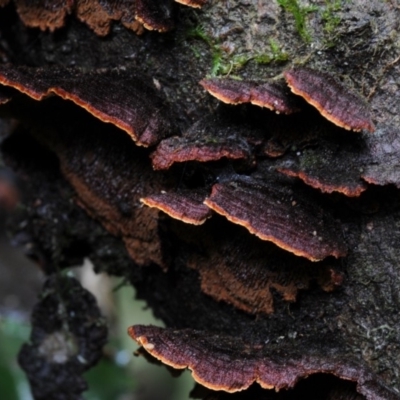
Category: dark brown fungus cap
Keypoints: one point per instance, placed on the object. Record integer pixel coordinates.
(331, 98)
(100, 14)
(87, 166)
(99, 18)
(186, 206)
(271, 211)
(383, 166)
(121, 97)
(318, 386)
(108, 188)
(338, 164)
(272, 95)
(206, 140)
(330, 165)
(192, 3)
(230, 364)
(155, 15)
(240, 270)
(44, 14)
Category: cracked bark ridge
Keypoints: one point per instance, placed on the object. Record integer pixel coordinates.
(68, 333)
(44, 14)
(119, 96)
(238, 269)
(332, 99)
(339, 164)
(207, 140)
(230, 364)
(274, 212)
(272, 95)
(184, 205)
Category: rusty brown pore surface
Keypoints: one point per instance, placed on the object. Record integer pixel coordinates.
(217, 278)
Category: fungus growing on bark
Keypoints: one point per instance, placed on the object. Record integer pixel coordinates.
(135, 108)
(231, 364)
(331, 98)
(219, 278)
(317, 386)
(155, 15)
(239, 269)
(99, 14)
(44, 14)
(85, 162)
(192, 3)
(207, 140)
(184, 205)
(344, 165)
(272, 95)
(273, 212)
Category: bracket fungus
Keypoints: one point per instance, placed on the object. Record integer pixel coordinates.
(135, 108)
(273, 212)
(237, 269)
(225, 219)
(333, 100)
(206, 140)
(99, 14)
(230, 364)
(272, 95)
(186, 206)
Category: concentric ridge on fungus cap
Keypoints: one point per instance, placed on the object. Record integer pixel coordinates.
(272, 212)
(230, 364)
(185, 205)
(272, 95)
(118, 96)
(99, 14)
(332, 99)
(206, 140)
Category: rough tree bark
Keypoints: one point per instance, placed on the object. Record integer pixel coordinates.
(242, 309)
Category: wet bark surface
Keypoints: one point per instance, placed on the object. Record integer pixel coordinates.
(70, 163)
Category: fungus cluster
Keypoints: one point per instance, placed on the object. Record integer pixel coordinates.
(98, 15)
(226, 219)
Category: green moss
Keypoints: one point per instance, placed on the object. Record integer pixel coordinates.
(331, 20)
(275, 54)
(225, 64)
(299, 14)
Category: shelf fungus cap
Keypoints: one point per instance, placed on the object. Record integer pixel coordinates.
(192, 3)
(155, 15)
(230, 364)
(332, 99)
(44, 14)
(272, 95)
(273, 213)
(240, 270)
(186, 206)
(117, 96)
(206, 140)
